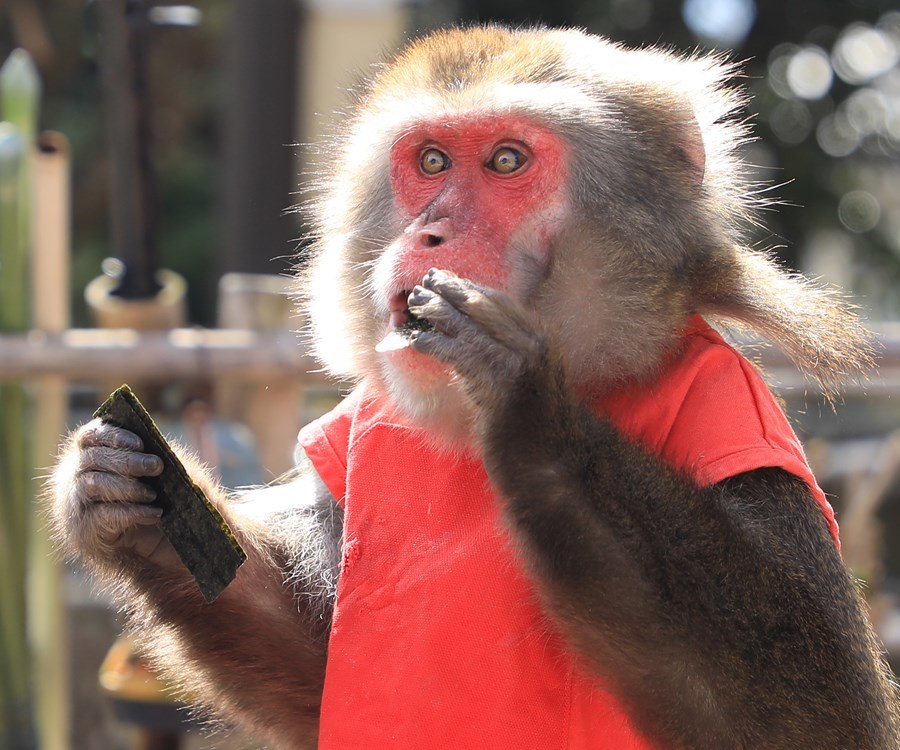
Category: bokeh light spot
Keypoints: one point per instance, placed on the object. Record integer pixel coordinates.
(859, 211)
(724, 21)
(791, 121)
(837, 136)
(809, 73)
(113, 267)
(867, 111)
(779, 60)
(862, 52)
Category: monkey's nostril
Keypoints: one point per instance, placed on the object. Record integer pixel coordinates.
(435, 232)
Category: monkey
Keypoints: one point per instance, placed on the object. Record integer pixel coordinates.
(557, 508)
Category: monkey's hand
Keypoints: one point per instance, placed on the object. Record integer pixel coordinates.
(486, 336)
(99, 504)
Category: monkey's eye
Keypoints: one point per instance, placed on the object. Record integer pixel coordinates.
(433, 161)
(506, 160)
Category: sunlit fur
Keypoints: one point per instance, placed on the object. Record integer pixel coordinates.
(283, 594)
(658, 203)
(676, 594)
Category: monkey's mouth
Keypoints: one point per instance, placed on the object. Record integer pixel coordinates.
(403, 324)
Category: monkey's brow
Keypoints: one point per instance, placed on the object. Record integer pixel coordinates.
(411, 129)
(403, 134)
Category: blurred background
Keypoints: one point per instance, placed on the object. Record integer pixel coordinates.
(150, 157)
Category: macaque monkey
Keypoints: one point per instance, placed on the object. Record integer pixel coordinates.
(557, 510)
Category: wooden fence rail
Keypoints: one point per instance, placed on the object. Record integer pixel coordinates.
(90, 354)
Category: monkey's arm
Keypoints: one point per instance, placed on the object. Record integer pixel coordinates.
(722, 616)
(258, 652)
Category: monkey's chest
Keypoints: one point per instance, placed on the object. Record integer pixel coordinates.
(438, 640)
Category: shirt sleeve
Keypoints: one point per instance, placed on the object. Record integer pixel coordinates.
(710, 415)
(729, 423)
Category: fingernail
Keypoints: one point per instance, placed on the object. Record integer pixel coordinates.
(151, 463)
(419, 296)
(128, 441)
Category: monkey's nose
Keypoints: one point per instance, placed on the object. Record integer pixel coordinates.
(434, 233)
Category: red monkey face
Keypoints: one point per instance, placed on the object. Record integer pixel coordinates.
(479, 196)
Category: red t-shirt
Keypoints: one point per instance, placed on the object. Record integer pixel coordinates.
(437, 639)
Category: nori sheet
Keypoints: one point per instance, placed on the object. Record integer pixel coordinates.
(189, 520)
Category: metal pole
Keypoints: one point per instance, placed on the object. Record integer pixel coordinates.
(127, 117)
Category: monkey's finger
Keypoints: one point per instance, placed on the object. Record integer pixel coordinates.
(475, 357)
(98, 433)
(499, 315)
(111, 524)
(479, 302)
(450, 321)
(103, 487)
(148, 540)
(121, 462)
(426, 304)
(443, 348)
(456, 290)
(497, 336)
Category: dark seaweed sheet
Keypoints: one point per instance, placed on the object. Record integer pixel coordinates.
(415, 324)
(189, 520)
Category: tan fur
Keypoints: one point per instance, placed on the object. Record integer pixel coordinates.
(659, 206)
(211, 653)
(675, 593)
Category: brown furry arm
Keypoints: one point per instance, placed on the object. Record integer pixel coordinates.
(724, 616)
(257, 654)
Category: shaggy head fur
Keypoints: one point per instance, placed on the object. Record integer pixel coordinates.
(658, 203)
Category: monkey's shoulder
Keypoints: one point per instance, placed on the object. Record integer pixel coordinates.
(709, 413)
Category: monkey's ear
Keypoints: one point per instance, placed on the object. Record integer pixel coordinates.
(668, 117)
(692, 148)
(686, 140)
